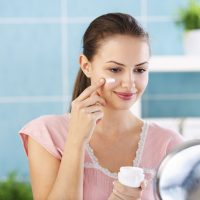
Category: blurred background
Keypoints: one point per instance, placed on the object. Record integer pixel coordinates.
(40, 42)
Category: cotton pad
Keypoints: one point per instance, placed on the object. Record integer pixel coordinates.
(131, 176)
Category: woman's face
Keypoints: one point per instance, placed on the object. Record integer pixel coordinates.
(125, 60)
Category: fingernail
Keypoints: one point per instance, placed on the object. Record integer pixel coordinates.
(145, 184)
(101, 80)
(98, 121)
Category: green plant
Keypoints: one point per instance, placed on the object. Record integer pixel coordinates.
(189, 18)
(14, 189)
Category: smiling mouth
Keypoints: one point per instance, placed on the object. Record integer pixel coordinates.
(125, 95)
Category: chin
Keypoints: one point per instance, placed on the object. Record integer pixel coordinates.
(120, 106)
(117, 104)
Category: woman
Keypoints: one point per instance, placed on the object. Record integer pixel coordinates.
(77, 155)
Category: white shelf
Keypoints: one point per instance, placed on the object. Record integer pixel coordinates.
(174, 63)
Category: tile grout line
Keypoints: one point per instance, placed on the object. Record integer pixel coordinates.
(74, 20)
(30, 99)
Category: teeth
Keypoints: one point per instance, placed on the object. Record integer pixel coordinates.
(110, 80)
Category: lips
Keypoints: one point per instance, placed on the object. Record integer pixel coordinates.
(125, 95)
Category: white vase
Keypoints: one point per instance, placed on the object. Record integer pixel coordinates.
(192, 42)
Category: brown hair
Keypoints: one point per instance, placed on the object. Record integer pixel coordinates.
(100, 28)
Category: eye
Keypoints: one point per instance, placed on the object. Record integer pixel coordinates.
(115, 69)
(140, 70)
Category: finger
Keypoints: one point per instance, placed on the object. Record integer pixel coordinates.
(93, 109)
(144, 184)
(92, 101)
(120, 196)
(95, 93)
(114, 197)
(111, 82)
(97, 115)
(129, 191)
(88, 91)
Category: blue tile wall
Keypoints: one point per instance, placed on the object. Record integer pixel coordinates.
(40, 42)
(174, 83)
(168, 108)
(31, 8)
(175, 94)
(90, 8)
(13, 117)
(30, 58)
(163, 36)
(75, 34)
(165, 8)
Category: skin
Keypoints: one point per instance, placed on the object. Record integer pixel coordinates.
(97, 110)
(130, 52)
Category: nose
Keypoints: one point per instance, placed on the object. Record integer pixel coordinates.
(128, 81)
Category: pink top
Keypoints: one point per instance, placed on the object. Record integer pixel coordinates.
(155, 142)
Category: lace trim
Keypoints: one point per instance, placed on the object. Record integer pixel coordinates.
(136, 161)
(141, 143)
(114, 175)
(150, 171)
(102, 169)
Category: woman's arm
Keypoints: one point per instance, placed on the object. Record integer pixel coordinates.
(69, 182)
(43, 169)
(52, 179)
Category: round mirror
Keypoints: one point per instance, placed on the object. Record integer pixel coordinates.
(178, 176)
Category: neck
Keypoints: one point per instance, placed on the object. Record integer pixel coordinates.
(116, 122)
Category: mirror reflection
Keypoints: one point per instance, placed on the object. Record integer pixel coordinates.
(178, 176)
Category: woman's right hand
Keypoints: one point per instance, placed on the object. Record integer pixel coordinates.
(122, 192)
(86, 111)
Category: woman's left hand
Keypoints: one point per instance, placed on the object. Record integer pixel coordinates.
(122, 192)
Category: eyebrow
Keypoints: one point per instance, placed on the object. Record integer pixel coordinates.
(112, 61)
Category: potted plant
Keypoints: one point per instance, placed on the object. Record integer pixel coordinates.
(189, 19)
(12, 188)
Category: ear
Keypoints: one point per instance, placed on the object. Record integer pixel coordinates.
(85, 65)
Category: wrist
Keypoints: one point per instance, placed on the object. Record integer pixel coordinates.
(74, 141)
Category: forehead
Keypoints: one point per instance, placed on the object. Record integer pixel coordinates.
(123, 48)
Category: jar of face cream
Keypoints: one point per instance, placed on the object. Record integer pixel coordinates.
(131, 176)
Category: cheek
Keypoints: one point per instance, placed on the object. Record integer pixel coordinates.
(105, 91)
(94, 79)
(142, 82)
(108, 88)
(97, 75)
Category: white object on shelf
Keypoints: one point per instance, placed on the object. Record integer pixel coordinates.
(174, 63)
(192, 42)
(191, 128)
